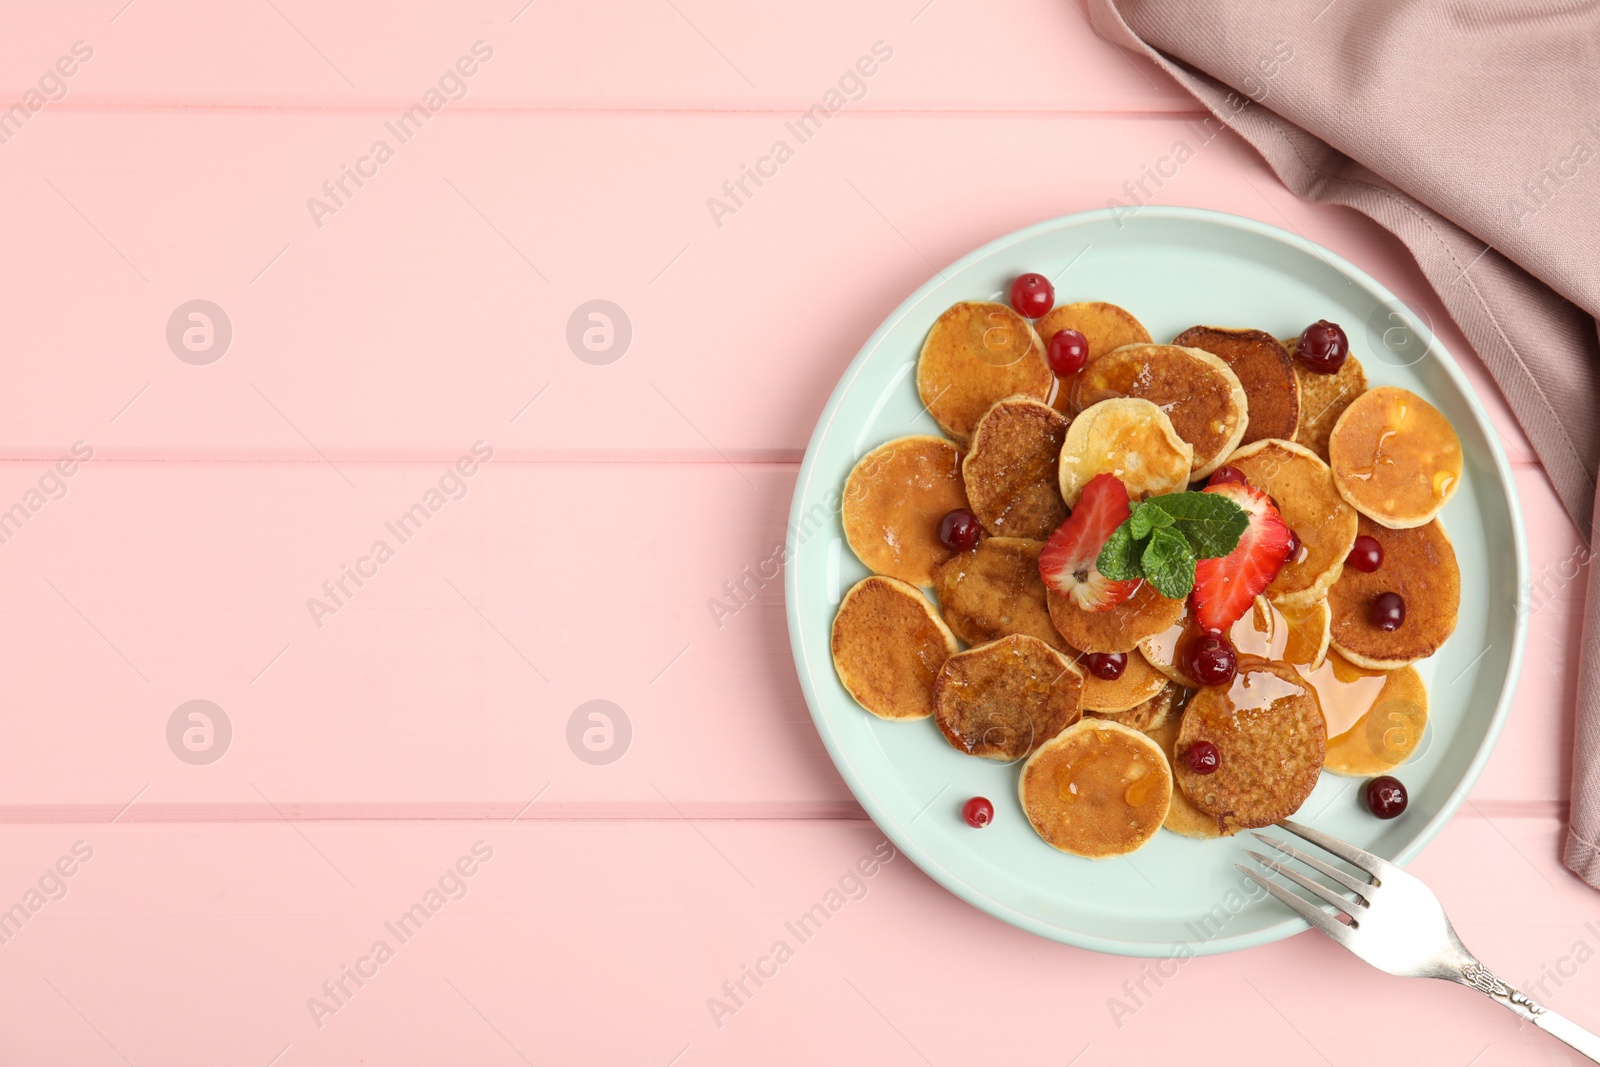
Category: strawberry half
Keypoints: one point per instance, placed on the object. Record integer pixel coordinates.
(1067, 561)
(1225, 588)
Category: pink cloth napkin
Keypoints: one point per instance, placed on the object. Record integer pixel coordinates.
(1471, 131)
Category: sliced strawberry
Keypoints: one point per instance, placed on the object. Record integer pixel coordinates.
(1067, 561)
(1225, 588)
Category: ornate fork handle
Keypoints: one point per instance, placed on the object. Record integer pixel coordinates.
(1475, 975)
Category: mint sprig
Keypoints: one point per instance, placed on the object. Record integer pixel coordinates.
(1163, 538)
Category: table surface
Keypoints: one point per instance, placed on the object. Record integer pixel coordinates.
(387, 736)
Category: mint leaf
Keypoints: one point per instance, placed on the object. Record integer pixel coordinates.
(1144, 519)
(1168, 561)
(1119, 556)
(1210, 522)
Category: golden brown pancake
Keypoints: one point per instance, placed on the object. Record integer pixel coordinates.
(1300, 635)
(975, 354)
(888, 645)
(1104, 327)
(1097, 789)
(1182, 816)
(1323, 398)
(994, 589)
(1387, 732)
(1130, 438)
(1003, 700)
(893, 502)
(1252, 635)
(1199, 393)
(1137, 685)
(1302, 486)
(1120, 629)
(1395, 457)
(1265, 370)
(1012, 471)
(1420, 565)
(1270, 737)
(1148, 714)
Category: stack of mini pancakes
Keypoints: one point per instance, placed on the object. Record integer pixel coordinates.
(1319, 685)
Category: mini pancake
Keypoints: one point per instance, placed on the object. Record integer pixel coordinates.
(1199, 393)
(1012, 471)
(1395, 457)
(975, 354)
(893, 501)
(1387, 733)
(1420, 565)
(1120, 629)
(1104, 327)
(888, 645)
(1149, 714)
(994, 589)
(1302, 486)
(1182, 816)
(1265, 370)
(1130, 438)
(1300, 635)
(1252, 635)
(1270, 738)
(1138, 684)
(1004, 699)
(1097, 789)
(1323, 398)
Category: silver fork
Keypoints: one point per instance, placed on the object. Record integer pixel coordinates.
(1397, 925)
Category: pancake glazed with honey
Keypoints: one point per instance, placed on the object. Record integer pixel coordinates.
(1172, 583)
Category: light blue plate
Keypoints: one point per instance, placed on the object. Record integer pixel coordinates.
(1173, 268)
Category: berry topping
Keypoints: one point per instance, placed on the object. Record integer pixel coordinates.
(1226, 476)
(1322, 347)
(1386, 797)
(1067, 353)
(1033, 295)
(978, 812)
(1388, 611)
(1211, 660)
(1292, 553)
(1366, 555)
(1067, 562)
(1201, 757)
(1225, 588)
(959, 530)
(1107, 666)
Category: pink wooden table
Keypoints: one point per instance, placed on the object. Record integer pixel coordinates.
(403, 739)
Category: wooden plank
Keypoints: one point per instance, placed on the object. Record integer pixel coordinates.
(232, 930)
(444, 683)
(435, 304)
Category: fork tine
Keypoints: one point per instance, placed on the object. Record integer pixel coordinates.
(1373, 865)
(1330, 895)
(1355, 885)
(1303, 908)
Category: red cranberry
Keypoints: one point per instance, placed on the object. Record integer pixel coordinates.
(978, 812)
(1226, 475)
(1366, 555)
(1388, 611)
(1107, 666)
(1033, 295)
(1201, 757)
(959, 530)
(1212, 660)
(1386, 797)
(1322, 347)
(1292, 553)
(1067, 352)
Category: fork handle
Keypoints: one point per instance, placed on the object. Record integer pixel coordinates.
(1476, 976)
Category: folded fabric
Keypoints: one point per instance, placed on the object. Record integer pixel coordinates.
(1471, 131)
